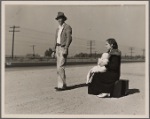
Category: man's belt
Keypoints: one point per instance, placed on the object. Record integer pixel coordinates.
(60, 45)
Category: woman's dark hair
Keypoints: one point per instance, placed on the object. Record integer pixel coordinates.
(112, 42)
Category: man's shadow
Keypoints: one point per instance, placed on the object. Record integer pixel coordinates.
(76, 86)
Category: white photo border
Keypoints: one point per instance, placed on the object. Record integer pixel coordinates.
(4, 3)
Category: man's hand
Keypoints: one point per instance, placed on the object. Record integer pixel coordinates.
(53, 55)
(65, 52)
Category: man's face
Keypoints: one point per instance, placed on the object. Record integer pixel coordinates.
(60, 21)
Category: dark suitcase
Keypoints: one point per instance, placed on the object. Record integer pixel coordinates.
(120, 88)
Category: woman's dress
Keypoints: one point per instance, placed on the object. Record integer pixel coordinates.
(104, 82)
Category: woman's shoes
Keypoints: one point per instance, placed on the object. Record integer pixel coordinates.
(103, 95)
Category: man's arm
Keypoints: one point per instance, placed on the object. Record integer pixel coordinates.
(55, 42)
(69, 36)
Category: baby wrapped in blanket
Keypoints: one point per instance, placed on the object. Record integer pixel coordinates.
(102, 62)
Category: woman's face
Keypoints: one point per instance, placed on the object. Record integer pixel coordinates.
(108, 46)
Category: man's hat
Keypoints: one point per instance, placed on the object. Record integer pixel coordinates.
(61, 15)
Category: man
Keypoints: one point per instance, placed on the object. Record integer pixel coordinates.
(61, 45)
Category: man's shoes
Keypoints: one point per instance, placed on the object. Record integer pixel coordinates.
(65, 86)
(103, 95)
(61, 89)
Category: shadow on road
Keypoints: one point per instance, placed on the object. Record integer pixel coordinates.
(132, 91)
(128, 92)
(76, 86)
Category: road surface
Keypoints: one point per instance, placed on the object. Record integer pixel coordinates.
(31, 91)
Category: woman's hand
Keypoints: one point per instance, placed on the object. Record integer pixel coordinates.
(101, 64)
(95, 69)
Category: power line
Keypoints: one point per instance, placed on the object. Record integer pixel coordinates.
(48, 33)
(13, 37)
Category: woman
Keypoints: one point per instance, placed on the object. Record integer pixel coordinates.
(102, 83)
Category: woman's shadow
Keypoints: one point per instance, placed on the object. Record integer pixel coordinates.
(132, 91)
(129, 91)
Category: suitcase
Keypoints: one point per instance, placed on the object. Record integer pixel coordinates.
(120, 88)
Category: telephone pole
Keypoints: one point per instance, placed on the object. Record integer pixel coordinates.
(13, 37)
(95, 54)
(33, 50)
(131, 51)
(91, 45)
(143, 52)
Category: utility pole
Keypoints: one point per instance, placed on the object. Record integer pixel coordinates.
(143, 52)
(33, 50)
(95, 54)
(131, 51)
(13, 37)
(90, 44)
(125, 56)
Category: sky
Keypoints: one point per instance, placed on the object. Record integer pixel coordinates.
(125, 23)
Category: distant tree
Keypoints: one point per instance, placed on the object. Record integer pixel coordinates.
(86, 55)
(31, 56)
(48, 52)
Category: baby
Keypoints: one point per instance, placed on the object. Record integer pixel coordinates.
(102, 62)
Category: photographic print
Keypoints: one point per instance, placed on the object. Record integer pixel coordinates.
(64, 59)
